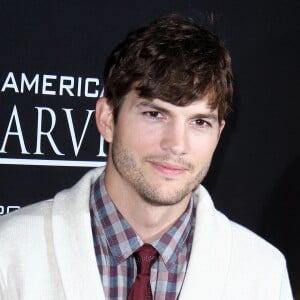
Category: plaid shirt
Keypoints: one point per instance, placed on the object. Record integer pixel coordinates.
(115, 242)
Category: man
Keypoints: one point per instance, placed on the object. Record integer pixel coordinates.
(168, 88)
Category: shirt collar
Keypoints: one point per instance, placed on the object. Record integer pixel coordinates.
(171, 242)
(120, 238)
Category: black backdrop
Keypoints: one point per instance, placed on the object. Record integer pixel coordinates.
(51, 60)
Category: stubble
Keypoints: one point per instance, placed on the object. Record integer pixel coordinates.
(127, 167)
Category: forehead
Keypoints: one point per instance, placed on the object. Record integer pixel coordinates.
(199, 105)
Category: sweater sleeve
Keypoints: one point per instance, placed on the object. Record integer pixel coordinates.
(285, 291)
(2, 288)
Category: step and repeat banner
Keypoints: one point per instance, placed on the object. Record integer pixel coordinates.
(52, 55)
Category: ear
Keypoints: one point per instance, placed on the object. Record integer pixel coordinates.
(221, 127)
(105, 119)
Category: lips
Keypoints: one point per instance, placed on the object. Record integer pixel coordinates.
(168, 169)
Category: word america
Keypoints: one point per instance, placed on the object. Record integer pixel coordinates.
(51, 85)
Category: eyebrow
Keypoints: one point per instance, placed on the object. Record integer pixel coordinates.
(209, 116)
(148, 104)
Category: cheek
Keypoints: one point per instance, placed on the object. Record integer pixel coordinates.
(204, 147)
(137, 139)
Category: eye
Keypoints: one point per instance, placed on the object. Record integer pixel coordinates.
(153, 114)
(201, 123)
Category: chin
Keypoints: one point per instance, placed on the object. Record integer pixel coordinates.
(162, 197)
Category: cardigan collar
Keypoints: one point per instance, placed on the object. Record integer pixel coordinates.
(74, 248)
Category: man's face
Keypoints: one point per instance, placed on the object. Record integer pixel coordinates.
(162, 151)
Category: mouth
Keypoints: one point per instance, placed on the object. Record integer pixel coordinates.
(168, 168)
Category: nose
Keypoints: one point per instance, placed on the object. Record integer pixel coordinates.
(174, 138)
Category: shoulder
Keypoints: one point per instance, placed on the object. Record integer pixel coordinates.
(246, 246)
(256, 264)
(249, 244)
(31, 212)
(24, 236)
(232, 254)
(251, 256)
(34, 219)
(24, 222)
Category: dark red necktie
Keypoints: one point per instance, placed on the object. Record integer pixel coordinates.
(145, 257)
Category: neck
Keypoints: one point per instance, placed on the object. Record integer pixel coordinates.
(147, 220)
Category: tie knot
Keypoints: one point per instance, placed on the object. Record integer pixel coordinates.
(145, 257)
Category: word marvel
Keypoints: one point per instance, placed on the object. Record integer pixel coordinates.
(45, 124)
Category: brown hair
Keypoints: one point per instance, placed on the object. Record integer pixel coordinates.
(173, 59)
